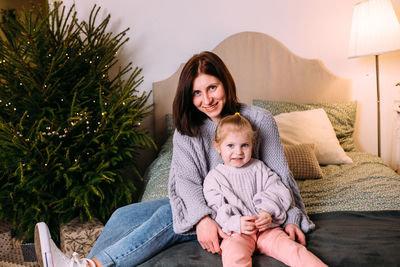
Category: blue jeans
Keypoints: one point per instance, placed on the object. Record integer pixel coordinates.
(135, 233)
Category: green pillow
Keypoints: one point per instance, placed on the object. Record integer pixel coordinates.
(157, 174)
(342, 116)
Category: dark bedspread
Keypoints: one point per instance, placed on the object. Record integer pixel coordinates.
(348, 238)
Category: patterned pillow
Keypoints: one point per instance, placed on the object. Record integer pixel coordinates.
(342, 116)
(157, 174)
(302, 161)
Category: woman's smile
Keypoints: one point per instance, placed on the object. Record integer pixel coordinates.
(210, 108)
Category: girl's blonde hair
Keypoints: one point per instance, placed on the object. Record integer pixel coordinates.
(231, 123)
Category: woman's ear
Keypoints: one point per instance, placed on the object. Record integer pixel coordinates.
(216, 145)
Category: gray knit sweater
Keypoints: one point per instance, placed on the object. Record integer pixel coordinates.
(234, 192)
(194, 157)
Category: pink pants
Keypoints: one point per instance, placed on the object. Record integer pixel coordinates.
(238, 249)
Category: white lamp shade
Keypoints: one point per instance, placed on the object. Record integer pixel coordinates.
(375, 29)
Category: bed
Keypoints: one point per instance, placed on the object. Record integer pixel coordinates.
(352, 197)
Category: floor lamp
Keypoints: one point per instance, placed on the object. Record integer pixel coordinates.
(375, 30)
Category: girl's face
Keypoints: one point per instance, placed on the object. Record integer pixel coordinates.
(235, 148)
(209, 96)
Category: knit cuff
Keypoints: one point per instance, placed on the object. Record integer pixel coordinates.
(232, 225)
(293, 217)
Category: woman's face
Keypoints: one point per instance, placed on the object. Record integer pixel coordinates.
(209, 96)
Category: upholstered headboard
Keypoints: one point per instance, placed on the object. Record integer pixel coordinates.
(263, 68)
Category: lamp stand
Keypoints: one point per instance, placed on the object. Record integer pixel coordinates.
(378, 102)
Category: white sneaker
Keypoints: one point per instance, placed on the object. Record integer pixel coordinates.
(49, 255)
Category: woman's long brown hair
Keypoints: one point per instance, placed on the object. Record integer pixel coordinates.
(187, 118)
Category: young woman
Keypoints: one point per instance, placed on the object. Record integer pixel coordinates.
(206, 92)
(249, 201)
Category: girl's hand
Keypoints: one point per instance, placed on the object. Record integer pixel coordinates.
(247, 225)
(208, 233)
(263, 221)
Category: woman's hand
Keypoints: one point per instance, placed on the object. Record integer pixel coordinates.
(263, 221)
(208, 233)
(247, 225)
(295, 233)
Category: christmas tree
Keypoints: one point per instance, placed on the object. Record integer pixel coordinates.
(68, 127)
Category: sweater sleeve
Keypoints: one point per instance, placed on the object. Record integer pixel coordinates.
(185, 186)
(274, 198)
(270, 151)
(227, 216)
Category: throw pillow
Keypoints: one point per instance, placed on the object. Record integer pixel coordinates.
(312, 127)
(342, 116)
(302, 161)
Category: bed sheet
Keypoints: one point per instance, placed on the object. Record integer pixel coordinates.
(366, 185)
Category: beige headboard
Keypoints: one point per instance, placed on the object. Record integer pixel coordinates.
(263, 68)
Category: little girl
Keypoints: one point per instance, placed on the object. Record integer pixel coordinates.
(250, 201)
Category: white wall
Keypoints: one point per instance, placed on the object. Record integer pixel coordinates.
(165, 33)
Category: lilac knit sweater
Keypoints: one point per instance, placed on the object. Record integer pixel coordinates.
(194, 157)
(234, 192)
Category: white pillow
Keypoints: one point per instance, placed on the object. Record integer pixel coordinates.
(312, 127)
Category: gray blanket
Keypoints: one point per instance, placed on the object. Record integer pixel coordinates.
(340, 239)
